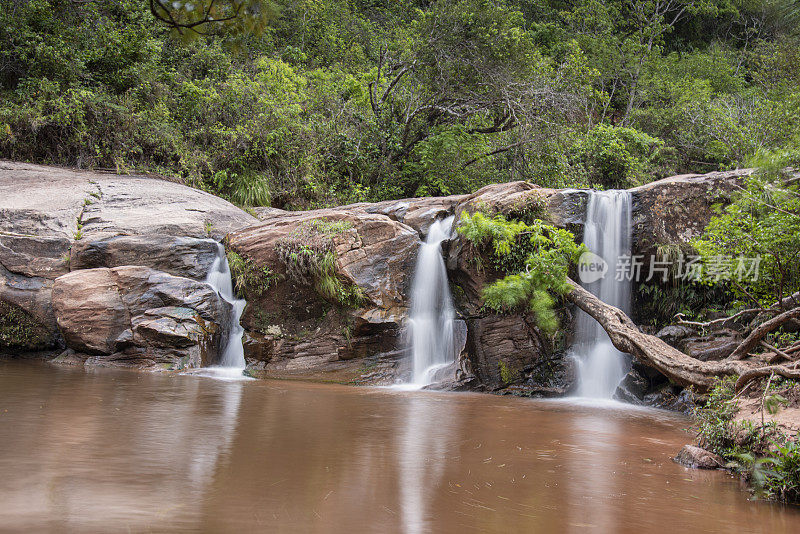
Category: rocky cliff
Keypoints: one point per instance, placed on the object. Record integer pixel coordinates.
(110, 267)
(108, 270)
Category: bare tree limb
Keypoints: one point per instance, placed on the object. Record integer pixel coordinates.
(762, 330)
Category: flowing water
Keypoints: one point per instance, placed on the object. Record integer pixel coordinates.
(119, 451)
(607, 233)
(231, 360)
(431, 322)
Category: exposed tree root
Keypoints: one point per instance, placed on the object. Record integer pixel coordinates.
(758, 372)
(674, 364)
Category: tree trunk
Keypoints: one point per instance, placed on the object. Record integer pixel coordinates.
(650, 350)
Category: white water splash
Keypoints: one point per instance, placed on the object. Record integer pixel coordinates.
(231, 361)
(606, 232)
(431, 322)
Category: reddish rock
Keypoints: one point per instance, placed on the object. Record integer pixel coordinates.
(131, 313)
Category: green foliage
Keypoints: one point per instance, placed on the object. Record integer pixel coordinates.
(716, 419)
(248, 277)
(658, 302)
(763, 221)
(18, 330)
(506, 374)
(320, 102)
(617, 157)
(531, 279)
(309, 254)
(193, 18)
(771, 464)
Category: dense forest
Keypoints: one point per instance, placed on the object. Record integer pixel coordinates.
(319, 102)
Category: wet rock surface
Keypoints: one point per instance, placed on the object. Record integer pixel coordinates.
(697, 458)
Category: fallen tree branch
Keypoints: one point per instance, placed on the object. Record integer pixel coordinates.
(776, 350)
(678, 318)
(654, 352)
(762, 330)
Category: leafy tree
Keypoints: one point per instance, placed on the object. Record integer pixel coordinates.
(762, 222)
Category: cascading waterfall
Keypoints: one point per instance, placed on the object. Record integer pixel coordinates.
(431, 323)
(607, 233)
(231, 360)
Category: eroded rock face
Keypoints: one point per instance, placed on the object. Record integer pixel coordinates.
(128, 312)
(54, 220)
(304, 330)
(503, 348)
(180, 256)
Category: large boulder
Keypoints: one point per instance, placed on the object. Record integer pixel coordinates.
(140, 315)
(303, 326)
(677, 209)
(55, 220)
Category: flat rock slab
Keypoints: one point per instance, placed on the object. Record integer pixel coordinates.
(48, 201)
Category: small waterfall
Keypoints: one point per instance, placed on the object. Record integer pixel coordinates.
(219, 277)
(607, 233)
(431, 323)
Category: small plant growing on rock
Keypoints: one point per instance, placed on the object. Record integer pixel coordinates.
(506, 374)
(249, 277)
(309, 254)
(18, 330)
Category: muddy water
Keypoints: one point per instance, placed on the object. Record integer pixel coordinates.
(116, 451)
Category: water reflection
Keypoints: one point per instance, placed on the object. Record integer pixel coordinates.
(423, 443)
(115, 451)
(95, 457)
(598, 427)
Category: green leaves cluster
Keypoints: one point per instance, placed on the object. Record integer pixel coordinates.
(535, 259)
(249, 278)
(763, 221)
(321, 102)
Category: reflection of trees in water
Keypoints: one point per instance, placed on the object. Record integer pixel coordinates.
(315, 458)
(589, 477)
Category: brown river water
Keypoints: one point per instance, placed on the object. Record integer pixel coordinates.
(118, 451)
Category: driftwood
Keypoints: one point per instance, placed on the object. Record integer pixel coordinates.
(672, 363)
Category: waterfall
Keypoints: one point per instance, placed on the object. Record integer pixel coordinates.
(431, 323)
(231, 361)
(607, 233)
